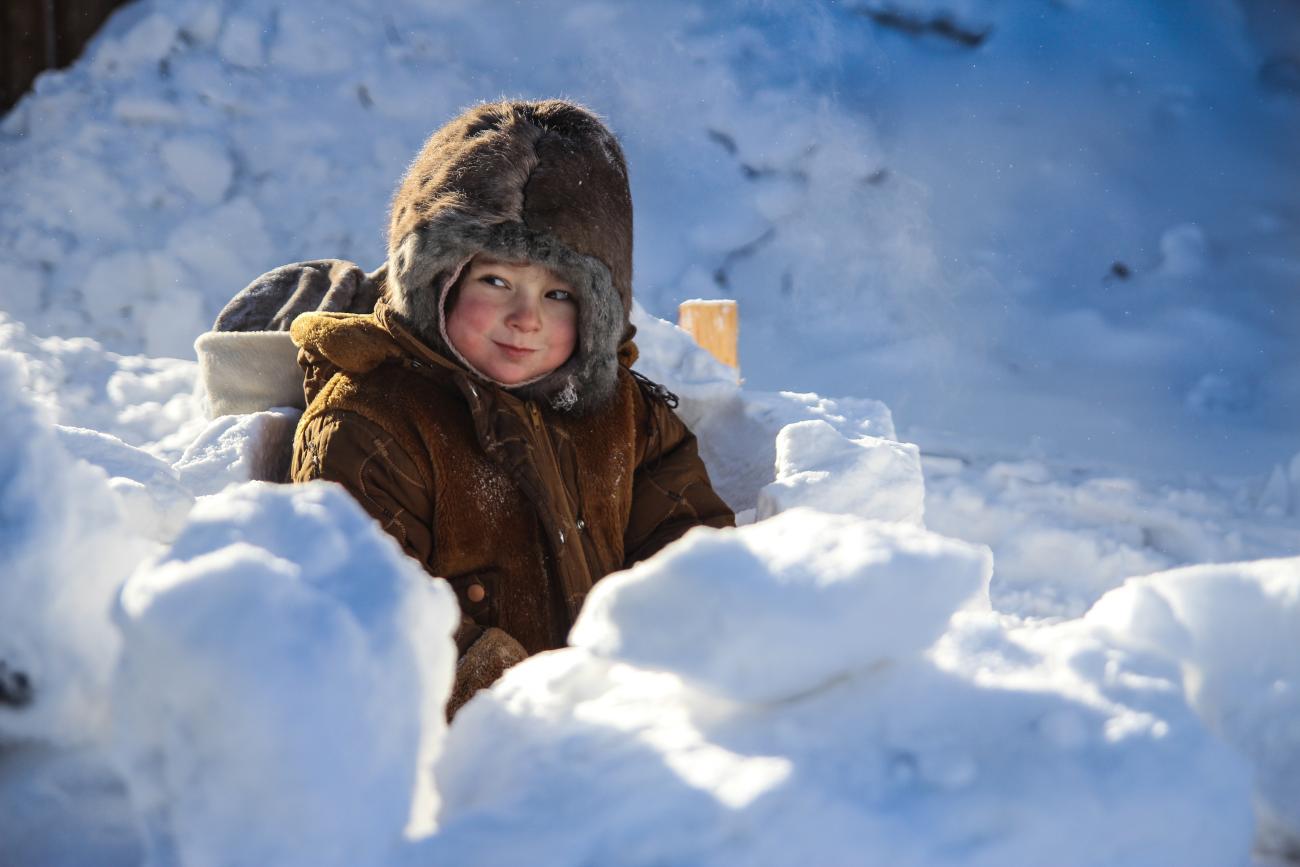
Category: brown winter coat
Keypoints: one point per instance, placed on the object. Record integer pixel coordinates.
(520, 507)
(523, 496)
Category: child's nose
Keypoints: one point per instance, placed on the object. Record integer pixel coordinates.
(525, 314)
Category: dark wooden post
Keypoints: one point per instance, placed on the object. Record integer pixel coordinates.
(36, 35)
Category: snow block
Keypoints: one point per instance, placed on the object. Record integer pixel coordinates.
(1235, 629)
(783, 607)
(866, 476)
(282, 683)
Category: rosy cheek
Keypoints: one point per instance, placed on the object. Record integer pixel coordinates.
(469, 319)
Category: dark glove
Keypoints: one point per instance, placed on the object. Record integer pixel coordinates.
(481, 665)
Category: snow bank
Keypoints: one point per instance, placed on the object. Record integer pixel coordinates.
(282, 683)
(792, 715)
(146, 402)
(1063, 535)
(1235, 629)
(64, 551)
(772, 610)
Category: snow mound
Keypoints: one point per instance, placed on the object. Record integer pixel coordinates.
(784, 607)
(1005, 743)
(240, 448)
(1236, 630)
(671, 356)
(282, 683)
(146, 402)
(737, 428)
(155, 502)
(866, 476)
(64, 551)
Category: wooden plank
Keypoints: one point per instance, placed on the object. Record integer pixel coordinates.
(23, 37)
(36, 35)
(715, 325)
(75, 22)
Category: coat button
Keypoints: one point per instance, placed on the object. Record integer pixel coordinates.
(582, 525)
(475, 593)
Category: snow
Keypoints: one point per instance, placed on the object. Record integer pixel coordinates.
(154, 501)
(745, 603)
(1004, 743)
(1235, 630)
(284, 670)
(867, 476)
(64, 549)
(239, 448)
(1033, 297)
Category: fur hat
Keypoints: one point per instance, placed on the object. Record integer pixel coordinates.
(539, 181)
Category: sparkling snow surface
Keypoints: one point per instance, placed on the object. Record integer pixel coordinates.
(1018, 324)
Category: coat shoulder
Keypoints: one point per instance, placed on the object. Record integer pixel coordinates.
(353, 342)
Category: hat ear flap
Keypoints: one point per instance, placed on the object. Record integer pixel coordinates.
(410, 281)
(408, 267)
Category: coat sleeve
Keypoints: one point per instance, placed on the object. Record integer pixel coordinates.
(671, 491)
(345, 447)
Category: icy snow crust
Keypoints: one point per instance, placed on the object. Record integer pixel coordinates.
(929, 655)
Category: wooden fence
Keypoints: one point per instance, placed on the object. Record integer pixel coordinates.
(36, 35)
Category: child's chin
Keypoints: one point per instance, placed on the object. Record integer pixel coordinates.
(510, 376)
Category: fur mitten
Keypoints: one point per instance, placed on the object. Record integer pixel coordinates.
(481, 665)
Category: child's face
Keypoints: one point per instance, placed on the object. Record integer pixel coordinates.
(514, 321)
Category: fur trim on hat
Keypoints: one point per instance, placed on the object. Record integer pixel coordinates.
(429, 260)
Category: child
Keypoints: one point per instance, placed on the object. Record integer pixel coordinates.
(485, 413)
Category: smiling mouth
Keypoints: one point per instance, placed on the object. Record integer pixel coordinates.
(515, 351)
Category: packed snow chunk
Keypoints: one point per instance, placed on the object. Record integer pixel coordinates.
(1218, 394)
(240, 448)
(200, 166)
(155, 502)
(1183, 250)
(21, 288)
(866, 476)
(241, 43)
(316, 41)
(786, 606)
(1236, 630)
(64, 551)
(149, 41)
(282, 685)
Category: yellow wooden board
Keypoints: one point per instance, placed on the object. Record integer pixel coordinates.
(715, 325)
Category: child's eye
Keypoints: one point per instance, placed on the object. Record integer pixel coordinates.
(560, 295)
(494, 280)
